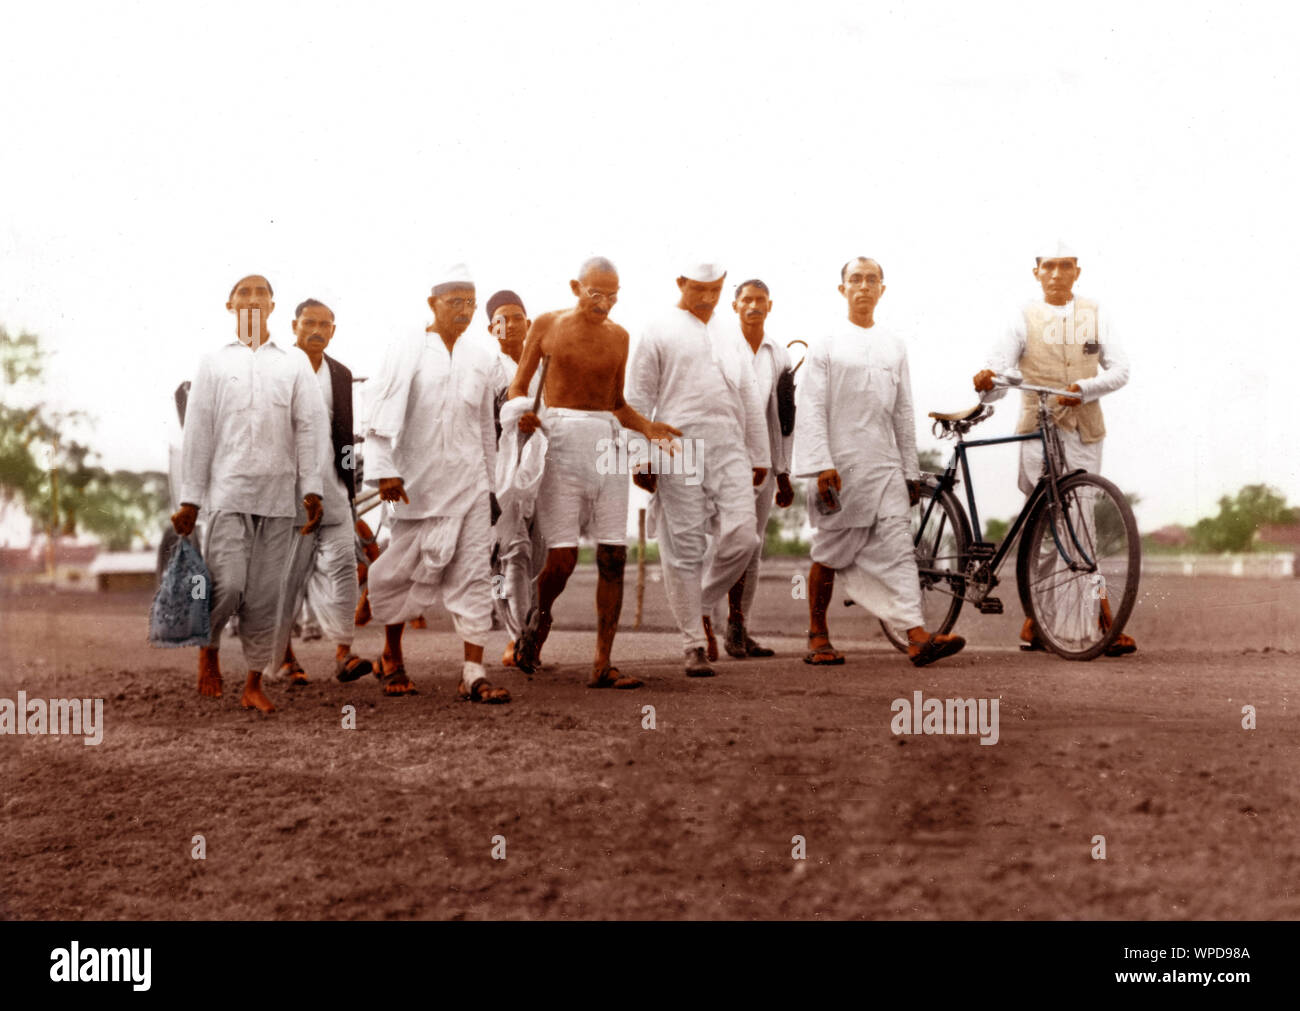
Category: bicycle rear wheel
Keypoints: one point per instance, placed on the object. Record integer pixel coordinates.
(1079, 567)
(941, 563)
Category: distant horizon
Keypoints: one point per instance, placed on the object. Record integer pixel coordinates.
(946, 142)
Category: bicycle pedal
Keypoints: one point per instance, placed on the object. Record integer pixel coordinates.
(990, 605)
(981, 549)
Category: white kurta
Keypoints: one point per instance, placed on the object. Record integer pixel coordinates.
(770, 360)
(700, 379)
(252, 444)
(252, 431)
(855, 416)
(432, 426)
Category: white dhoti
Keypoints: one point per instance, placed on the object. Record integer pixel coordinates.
(717, 499)
(583, 492)
(246, 556)
(1071, 610)
(762, 511)
(877, 566)
(439, 558)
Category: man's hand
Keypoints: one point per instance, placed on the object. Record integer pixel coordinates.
(760, 475)
(183, 519)
(529, 422)
(913, 491)
(663, 435)
(827, 480)
(315, 513)
(645, 480)
(390, 490)
(784, 493)
(1070, 401)
(984, 381)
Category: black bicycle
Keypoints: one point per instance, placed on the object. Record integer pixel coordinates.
(1079, 559)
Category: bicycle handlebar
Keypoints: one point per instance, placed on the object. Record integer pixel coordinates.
(1005, 383)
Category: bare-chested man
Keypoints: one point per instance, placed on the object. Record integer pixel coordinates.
(584, 409)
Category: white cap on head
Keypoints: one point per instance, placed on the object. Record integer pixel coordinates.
(1057, 249)
(705, 273)
(455, 275)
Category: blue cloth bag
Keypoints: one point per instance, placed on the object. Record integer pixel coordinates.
(181, 613)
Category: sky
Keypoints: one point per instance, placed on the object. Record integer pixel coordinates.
(154, 153)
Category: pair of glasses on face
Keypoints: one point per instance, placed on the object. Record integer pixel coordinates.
(461, 303)
(602, 297)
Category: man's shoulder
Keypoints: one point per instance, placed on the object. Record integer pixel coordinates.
(615, 331)
(337, 368)
(665, 323)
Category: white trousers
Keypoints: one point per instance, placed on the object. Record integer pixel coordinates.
(327, 578)
(763, 503)
(246, 556)
(439, 558)
(717, 499)
(878, 567)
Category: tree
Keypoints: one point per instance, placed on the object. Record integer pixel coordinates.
(1233, 529)
(930, 461)
(49, 473)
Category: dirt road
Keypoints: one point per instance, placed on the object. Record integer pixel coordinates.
(598, 817)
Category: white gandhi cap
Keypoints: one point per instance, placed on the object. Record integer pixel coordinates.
(705, 273)
(1057, 249)
(455, 275)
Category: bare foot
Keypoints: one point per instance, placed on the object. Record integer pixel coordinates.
(253, 697)
(209, 673)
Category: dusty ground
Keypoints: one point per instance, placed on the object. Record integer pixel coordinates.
(695, 819)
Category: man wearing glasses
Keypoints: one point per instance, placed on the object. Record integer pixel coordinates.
(855, 439)
(432, 451)
(579, 494)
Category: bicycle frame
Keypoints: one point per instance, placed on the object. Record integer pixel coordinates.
(1046, 487)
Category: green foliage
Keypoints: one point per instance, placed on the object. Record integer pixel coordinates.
(39, 466)
(1233, 529)
(995, 530)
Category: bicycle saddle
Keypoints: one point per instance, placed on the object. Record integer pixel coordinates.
(965, 415)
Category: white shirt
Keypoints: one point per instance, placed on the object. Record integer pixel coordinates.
(252, 431)
(431, 424)
(694, 376)
(770, 360)
(855, 416)
(506, 367)
(1112, 362)
(335, 498)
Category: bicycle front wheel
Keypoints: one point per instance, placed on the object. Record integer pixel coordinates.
(1079, 567)
(941, 551)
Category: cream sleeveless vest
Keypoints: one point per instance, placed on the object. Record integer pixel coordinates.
(1059, 352)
